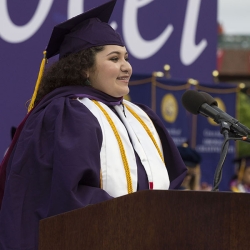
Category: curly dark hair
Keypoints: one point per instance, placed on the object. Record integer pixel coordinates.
(68, 71)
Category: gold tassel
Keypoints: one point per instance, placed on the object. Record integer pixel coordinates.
(38, 81)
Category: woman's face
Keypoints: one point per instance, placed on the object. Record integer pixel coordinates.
(112, 71)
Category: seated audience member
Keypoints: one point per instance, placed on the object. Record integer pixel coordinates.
(240, 183)
(192, 161)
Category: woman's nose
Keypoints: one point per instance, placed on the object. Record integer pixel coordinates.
(126, 67)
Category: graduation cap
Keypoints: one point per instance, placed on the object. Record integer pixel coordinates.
(189, 156)
(81, 32)
(84, 31)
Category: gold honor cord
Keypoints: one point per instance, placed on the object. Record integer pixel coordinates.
(147, 130)
(123, 154)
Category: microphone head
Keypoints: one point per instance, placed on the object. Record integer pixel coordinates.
(192, 101)
(209, 98)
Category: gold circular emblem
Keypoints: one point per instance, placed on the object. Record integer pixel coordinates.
(169, 108)
(221, 106)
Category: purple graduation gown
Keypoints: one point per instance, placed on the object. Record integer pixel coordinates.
(53, 164)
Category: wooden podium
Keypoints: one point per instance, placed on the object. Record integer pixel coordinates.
(153, 220)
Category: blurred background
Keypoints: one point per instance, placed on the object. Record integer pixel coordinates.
(234, 16)
(233, 55)
(173, 46)
(233, 40)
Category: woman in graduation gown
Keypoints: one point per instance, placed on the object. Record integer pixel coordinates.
(81, 143)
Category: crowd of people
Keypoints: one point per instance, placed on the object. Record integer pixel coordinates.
(192, 160)
(240, 182)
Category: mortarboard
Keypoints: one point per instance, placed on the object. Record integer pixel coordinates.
(189, 156)
(86, 30)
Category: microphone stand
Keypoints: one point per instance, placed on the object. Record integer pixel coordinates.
(218, 172)
(225, 131)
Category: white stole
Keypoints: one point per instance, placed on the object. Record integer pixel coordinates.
(113, 174)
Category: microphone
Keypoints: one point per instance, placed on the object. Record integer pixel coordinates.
(202, 103)
(212, 102)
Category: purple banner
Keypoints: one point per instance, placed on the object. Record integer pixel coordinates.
(182, 34)
(140, 87)
(168, 106)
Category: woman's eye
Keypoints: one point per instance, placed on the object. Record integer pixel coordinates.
(115, 59)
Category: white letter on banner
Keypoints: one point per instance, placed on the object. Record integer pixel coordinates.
(16, 34)
(137, 46)
(189, 51)
(75, 7)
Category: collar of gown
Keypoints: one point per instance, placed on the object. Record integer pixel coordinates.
(78, 92)
(98, 95)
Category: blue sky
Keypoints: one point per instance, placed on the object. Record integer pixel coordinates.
(234, 15)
